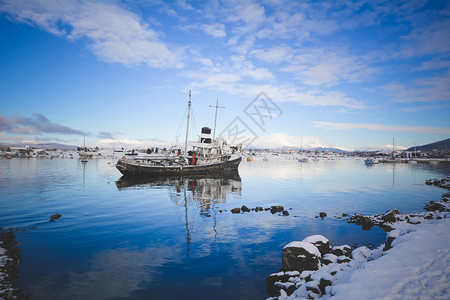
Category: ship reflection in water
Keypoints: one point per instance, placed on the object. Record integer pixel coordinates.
(205, 191)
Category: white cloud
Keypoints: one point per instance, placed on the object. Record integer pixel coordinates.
(422, 90)
(231, 82)
(216, 30)
(115, 34)
(435, 63)
(325, 67)
(427, 39)
(383, 127)
(424, 107)
(246, 11)
(274, 55)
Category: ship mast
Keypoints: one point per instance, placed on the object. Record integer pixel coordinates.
(215, 119)
(187, 127)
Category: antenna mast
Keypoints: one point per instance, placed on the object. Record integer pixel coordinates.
(187, 127)
(215, 119)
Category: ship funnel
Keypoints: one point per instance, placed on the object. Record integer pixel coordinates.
(206, 135)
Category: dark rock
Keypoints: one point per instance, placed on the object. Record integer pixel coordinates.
(429, 216)
(357, 219)
(433, 206)
(259, 208)
(388, 244)
(322, 214)
(342, 260)
(333, 273)
(366, 223)
(245, 208)
(55, 217)
(390, 216)
(236, 210)
(342, 250)
(271, 288)
(276, 208)
(323, 284)
(300, 256)
(344, 215)
(285, 213)
(314, 288)
(291, 289)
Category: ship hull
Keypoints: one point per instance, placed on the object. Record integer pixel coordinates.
(131, 168)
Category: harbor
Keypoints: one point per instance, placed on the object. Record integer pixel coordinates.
(144, 235)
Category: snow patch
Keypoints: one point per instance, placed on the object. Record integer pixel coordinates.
(304, 245)
(316, 238)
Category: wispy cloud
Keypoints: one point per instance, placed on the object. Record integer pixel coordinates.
(215, 30)
(325, 67)
(231, 83)
(427, 89)
(424, 108)
(36, 125)
(274, 55)
(105, 135)
(115, 34)
(382, 127)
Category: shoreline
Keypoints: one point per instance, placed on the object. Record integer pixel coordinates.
(413, 262)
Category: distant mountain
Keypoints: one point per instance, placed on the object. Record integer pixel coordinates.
(43, 146)
(441, 145)
(334, 150)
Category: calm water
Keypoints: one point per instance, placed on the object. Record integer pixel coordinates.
(173, 239)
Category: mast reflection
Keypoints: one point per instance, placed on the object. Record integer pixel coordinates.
(204, 191)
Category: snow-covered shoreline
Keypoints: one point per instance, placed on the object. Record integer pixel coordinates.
(414, 263)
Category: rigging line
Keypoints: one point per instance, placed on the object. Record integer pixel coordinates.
(179, 126)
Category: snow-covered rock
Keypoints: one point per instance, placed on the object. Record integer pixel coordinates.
(415, 264)
(321, 242)
(300, 256)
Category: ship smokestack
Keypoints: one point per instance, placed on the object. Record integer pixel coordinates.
(206, 135)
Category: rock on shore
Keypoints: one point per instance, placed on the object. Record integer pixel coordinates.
(442, 182)
(417, 250)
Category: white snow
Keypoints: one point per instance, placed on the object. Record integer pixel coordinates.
(316, 238)
(330, 257)
(417, 267)
(307, 246)
(361, 253)
(343, 247)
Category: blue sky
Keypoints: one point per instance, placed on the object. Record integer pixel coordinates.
(348, 74)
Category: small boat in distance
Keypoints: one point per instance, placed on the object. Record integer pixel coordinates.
(207, 157)
(370, 161)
